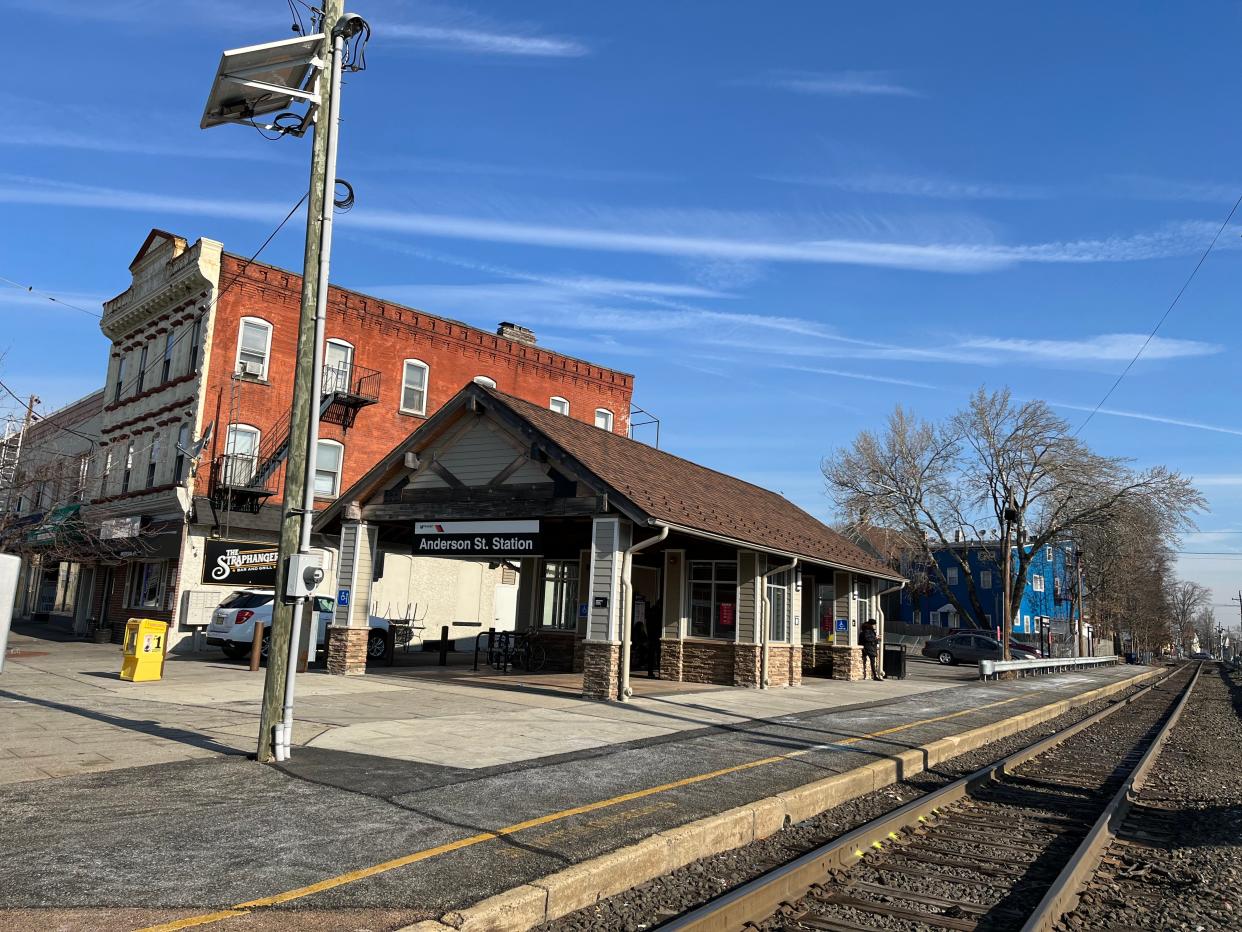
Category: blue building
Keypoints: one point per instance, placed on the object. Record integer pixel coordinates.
(1048, 604)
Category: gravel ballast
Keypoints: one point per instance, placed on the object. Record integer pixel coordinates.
(1177, 861)
(649, 903)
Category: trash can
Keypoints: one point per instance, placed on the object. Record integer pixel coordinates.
(895, 661)
(145, 639)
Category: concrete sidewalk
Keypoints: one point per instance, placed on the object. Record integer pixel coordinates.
(68, 712)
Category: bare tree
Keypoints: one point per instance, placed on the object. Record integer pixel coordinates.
(1187, 601)
(932, 481)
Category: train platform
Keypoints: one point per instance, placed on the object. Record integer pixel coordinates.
(531, 801)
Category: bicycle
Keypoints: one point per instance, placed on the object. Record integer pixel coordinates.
(528, 651)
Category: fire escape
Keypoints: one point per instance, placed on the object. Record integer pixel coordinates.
(243, 481)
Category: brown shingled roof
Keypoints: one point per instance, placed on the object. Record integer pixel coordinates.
(677, 491)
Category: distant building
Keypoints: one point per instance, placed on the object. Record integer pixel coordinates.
(1048, 606)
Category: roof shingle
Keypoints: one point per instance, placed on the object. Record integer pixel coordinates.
(677, 491)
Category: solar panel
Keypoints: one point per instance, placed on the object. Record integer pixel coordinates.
(263, 79)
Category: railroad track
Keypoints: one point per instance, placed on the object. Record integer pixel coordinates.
(1008, 847)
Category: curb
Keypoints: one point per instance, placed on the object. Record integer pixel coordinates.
(526, 906)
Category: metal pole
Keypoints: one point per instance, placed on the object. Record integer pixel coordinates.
(284, 616)
(321, 322)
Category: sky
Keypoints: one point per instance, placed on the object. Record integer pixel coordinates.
(784, 219)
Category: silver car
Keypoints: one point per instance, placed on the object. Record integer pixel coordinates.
(232, 623)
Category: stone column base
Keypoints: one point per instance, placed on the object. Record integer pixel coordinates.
(816, 660)
(347, 651)
(672, 655)
(601, 669)
(847, 663)
(746, 661)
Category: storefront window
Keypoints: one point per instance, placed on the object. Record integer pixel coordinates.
(778, 606)
(825, 607)
(66, 589)
(560, 594)
(713, 599)
(146, 585)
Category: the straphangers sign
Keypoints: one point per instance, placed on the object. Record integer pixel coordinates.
(477, 539)
(239, 563)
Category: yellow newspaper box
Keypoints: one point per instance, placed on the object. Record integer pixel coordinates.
(144, 650)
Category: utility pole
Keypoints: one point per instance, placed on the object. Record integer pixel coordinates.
(305, 408)
(1079, 647)
(1009, 518)
(12, 468)
(251, 83)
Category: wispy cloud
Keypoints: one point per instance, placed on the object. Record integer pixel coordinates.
(478, 42)
(450, 166)
(839, 83)
(1105, 347)
(458, 29)
(1154, 188)
(1218, 479)
(915, 186)
(862, 376)
(1154, 418)
(132, 144)
(682, 235)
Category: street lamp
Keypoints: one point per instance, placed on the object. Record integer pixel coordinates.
(266, 81)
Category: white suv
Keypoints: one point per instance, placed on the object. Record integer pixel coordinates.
(232, 624)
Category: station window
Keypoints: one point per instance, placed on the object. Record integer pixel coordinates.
(254, 347)
(603, 419)
(713, 599)
(560, 594)
(778, 606)
(559, 405)
(414, 387)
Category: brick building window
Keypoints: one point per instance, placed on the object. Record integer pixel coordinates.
(166, 368)
(560, 594)
(603, 419)
(179, 454)
(713, 599)
(328, 459)
(196, 336)
(414, 387)
(153, 461)
(129, 467)
(145, 587)
(559, 405)
(254, 347)
(241, 449)
(142, 368)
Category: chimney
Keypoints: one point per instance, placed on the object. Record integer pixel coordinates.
(516, 332)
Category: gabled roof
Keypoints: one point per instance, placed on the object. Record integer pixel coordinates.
(155, 235)
(651, 485)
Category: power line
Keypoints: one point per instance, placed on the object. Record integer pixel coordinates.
(1151, 336)
(30, 289)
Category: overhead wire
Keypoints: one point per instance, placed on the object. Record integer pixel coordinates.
(1176, 298)
(30, 289)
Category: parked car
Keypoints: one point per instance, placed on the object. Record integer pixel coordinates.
(971, 648)
(232, 623)
(1200, 655)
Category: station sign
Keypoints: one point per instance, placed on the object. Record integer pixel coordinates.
(239, 563)
(477, 539)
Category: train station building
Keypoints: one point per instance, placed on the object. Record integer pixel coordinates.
(743, 587)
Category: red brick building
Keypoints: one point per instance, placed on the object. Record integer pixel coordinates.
(204, 341)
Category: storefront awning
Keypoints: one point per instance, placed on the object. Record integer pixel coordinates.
(58, 526)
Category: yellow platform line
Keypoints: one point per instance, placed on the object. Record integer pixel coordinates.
(362, 873)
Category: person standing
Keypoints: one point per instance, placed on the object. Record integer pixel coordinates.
(871, 648)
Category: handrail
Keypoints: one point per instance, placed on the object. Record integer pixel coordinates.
(989, 668)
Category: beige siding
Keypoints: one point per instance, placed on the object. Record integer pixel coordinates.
(478, 454)
(584, 589)
(346, 568)
(609, 539)
(844, 596)
(674, 593)
(747, 596)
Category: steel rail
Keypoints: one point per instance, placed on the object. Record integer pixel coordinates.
(760, 897)
(1062, 897)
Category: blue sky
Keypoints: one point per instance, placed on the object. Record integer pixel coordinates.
(783, 218)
